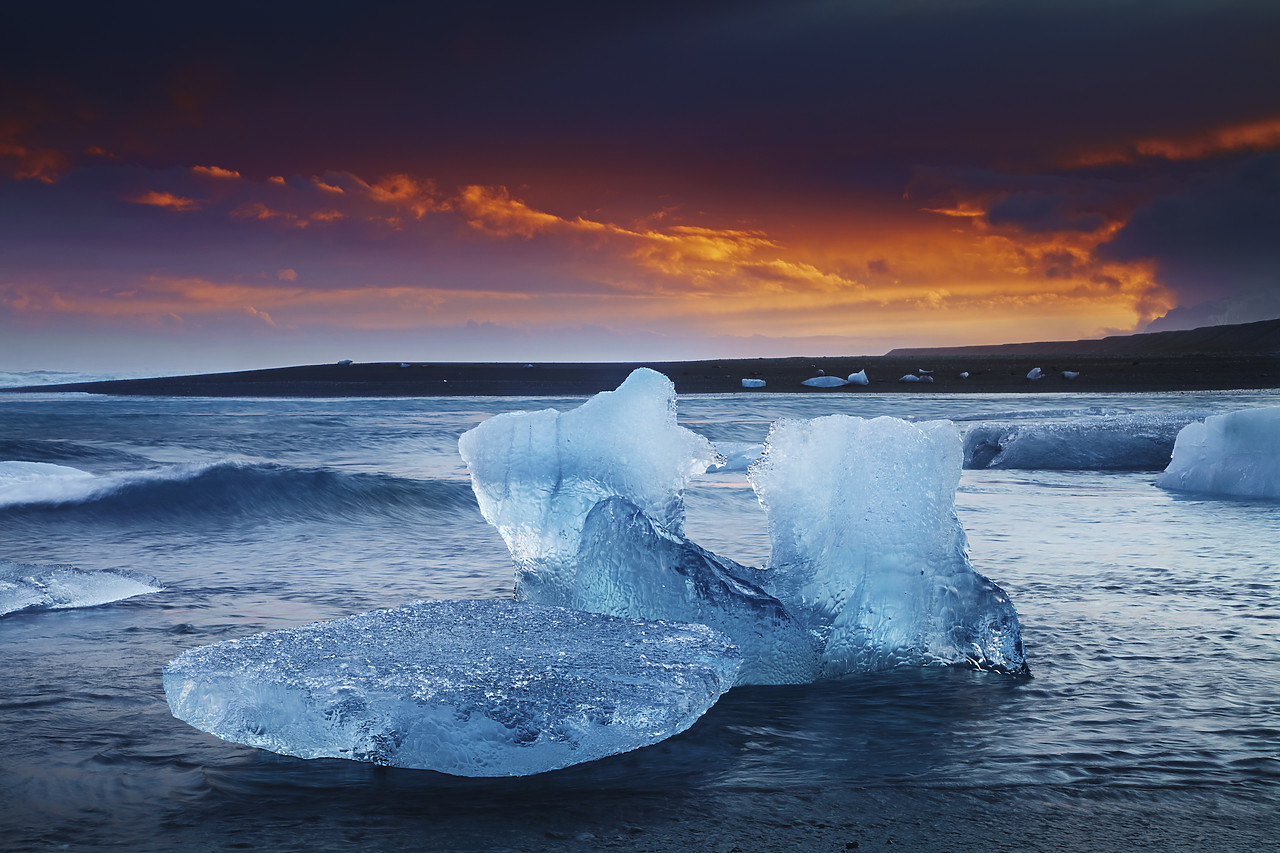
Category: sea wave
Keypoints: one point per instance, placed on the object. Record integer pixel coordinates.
(224, 488)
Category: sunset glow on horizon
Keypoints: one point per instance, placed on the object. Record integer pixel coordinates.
(764, 180)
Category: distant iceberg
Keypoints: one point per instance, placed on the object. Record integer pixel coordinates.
(29, 586)
(824, 382)
(1232, 454)
(471, 688)
(859, 378)
(1119, 443)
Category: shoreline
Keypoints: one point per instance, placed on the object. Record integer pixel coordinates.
(987, 374)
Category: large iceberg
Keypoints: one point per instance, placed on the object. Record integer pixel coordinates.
(869, 568)
(868, 551)
(1231, 454)
(30, 586)
(471, 688)
(536, 475)
(1118, 443)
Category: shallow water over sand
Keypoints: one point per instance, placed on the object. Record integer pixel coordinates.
(1151, 620)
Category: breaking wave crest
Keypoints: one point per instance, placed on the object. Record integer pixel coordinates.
(223, 489)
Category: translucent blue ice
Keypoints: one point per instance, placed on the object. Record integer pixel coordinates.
(1233, 454)
(1118, 443)
(28, 586)
(471, 688)
(867, 549)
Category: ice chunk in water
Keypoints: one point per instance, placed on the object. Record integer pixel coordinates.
(26, 586)
(472, 688)
(868, 551)
(629, 565)
(1123, 443)
(737, 455)
(536, 475)
(1232, 454)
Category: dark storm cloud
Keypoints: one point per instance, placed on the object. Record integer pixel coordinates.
(1217, 236)
(1038, 213)
(831, 96)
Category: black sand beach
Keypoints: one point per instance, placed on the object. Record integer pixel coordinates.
(1243, 356)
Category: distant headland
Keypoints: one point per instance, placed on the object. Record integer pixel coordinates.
(1245, 356)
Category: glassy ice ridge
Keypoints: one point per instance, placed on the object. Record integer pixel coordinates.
(28, 586)
(869, 570)
(471, 688)
(1119, 443)
(1232, 454)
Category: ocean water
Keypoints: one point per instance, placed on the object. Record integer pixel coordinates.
(1152, 622)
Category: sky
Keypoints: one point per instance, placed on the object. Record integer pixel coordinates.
(197, 187)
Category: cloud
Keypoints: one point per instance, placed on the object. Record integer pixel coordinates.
(287, 275)
(29, 163)
(214, 172)
(1042, 213)
(167, 200)
(1252, 136)
(1214, 237)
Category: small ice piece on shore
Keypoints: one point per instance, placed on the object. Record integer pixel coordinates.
(346, 361)
(964, 374)
(753, 383)
(868, 551)
(28, 586)
(910, 377)
(737, 456)
(859, 378)
(536, 475)
(1116, 443)
(629, 565)
(404, 364)
(1035, 373)
(824, 382)
(1070, 374)
(1232, 454)
(471, 688)
(923, 372)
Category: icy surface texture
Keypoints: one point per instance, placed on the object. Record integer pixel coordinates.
(867, 549)
(1232, 454)
(471, 688)
(1123, 443)
(25, 586)
(737, 455)
(629, 565)
(536, 475)
(824, 382)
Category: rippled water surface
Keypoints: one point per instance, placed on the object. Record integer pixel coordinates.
(1152, 622)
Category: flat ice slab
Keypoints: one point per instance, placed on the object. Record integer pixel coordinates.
(1233, 454)
(471, 688)
(28, 586)
(1117, 443)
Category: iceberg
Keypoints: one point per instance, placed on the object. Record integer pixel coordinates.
(753, 383)
(536, 475)
(1035, 373)
(859, 378)
(1233, 454)
(824, 382)
(28, 586)
(470, 688)
(868, 551)
(1118, 443)
(910, 377)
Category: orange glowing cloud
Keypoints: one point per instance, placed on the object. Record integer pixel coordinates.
(41, 164)
(215, 172)
(1261, 135)
(165, 200)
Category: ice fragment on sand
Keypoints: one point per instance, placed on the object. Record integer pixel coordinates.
(1123, 443)
(867, 549)
(26, 586)
(824, 382)
(1035, 373)
(753, 383)
(859, 378)
(910, 377)
(472, 688)
(1232, 454)
(536, 475)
